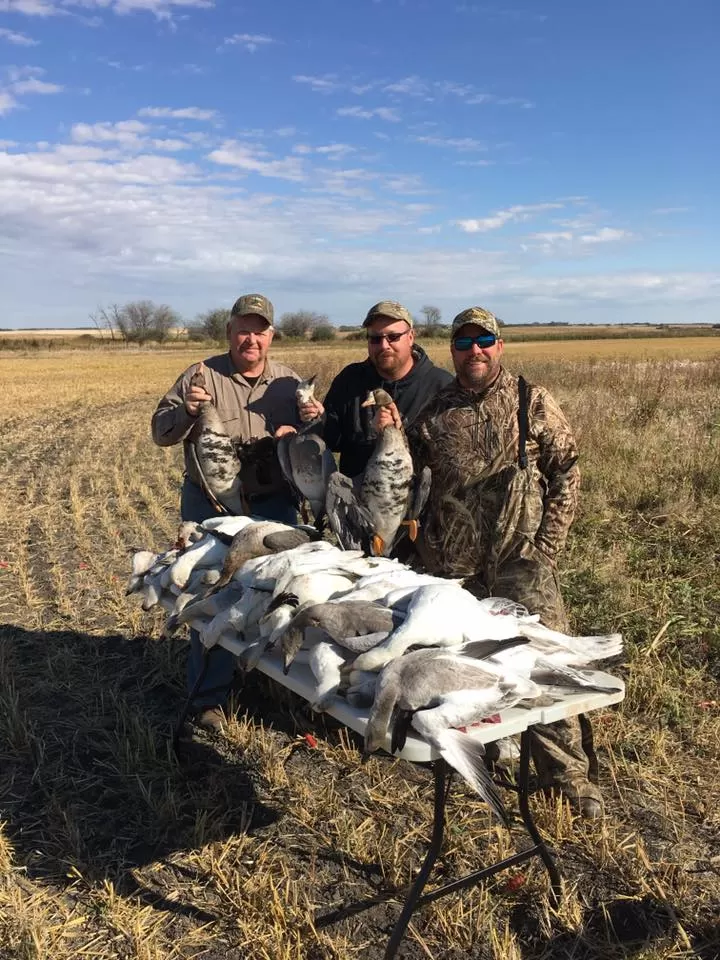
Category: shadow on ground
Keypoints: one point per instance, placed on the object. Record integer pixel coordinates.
(88, 780)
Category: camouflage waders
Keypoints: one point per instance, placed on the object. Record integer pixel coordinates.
(504, 491)
(563, 751)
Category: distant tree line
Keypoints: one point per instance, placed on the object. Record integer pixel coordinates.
(142, 321)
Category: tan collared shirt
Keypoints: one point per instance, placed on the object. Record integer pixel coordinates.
(249, 412)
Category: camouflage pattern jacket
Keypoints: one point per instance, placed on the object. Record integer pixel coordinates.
(484, 508)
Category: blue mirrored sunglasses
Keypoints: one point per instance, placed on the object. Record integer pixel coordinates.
(484, 340)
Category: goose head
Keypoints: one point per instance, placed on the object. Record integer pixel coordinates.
(305, 390)
(377, 398)
(291, 642)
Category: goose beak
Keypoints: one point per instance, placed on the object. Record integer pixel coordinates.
(369, 401)
(378, 545)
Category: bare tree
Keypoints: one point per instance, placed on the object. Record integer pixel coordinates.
(106, 318)
(302, 322)
(211, 325)
(137, 322)
(164, 320)
(432, 315)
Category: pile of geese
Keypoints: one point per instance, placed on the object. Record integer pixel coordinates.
(416, 651)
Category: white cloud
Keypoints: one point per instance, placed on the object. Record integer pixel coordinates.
(19, 39)
(569, 242)
(126, 133)
(604, 235)
(516, 213)
(21, 81)
(666, 211)
(169, 145)
(162, 9)
(131, 221)
(325, 84)
(178, 113)
(249, 41)
(382, 113)
(332, 150)
(33, 85)
(254, 159)
(7, 102)
(462, 144)
(413, 86)
(31, 8)
(409, 86)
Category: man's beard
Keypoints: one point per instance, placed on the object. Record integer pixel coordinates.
(480, 373)
(387, 363)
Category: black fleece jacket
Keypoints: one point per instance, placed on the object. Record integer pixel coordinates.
(348, 427)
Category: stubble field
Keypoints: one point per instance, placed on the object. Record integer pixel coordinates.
(111, 848)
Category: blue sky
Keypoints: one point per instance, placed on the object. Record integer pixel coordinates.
(549, 160)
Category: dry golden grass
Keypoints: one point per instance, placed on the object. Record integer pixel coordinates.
(109, 848)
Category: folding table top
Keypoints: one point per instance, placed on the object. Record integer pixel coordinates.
(301, 681)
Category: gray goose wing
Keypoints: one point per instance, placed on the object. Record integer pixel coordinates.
(350, 521)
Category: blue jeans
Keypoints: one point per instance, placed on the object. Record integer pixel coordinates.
(194, 505)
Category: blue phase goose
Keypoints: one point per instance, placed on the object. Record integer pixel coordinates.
(307, 465)
(349, 623)
(435, 692)
(369, 513)
(215, 455)
(259, 538)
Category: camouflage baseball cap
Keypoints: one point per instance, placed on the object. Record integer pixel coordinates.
(253, 303)
(390, 309)
(479, 317)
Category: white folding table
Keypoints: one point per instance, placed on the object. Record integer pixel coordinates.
(517, 720)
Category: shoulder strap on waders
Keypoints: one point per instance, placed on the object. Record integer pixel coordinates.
(522, 416)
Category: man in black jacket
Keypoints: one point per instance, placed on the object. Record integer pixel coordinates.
(396, 364)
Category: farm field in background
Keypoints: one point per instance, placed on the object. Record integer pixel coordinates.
(94, 376)
(111, 849)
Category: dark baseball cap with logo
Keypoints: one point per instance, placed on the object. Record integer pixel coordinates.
(253, 303)
(389, 310)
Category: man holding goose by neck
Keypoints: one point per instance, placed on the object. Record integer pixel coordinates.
(395, 363)
(504, 490)
(254, 398)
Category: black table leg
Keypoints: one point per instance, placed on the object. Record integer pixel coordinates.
(524, 804)
(191, 699)
(442, 777)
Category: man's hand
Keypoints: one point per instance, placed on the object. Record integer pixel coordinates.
(312, 410)
(284, 431)
(194, 398)
(387, 417)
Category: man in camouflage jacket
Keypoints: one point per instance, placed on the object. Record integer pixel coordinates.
(500, 516)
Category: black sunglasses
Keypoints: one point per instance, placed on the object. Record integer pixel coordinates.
(377, 338)
(484, 340)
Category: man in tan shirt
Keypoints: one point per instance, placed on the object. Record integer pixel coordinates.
(255, 398)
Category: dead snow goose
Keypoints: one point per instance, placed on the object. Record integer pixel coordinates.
(435, 692)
